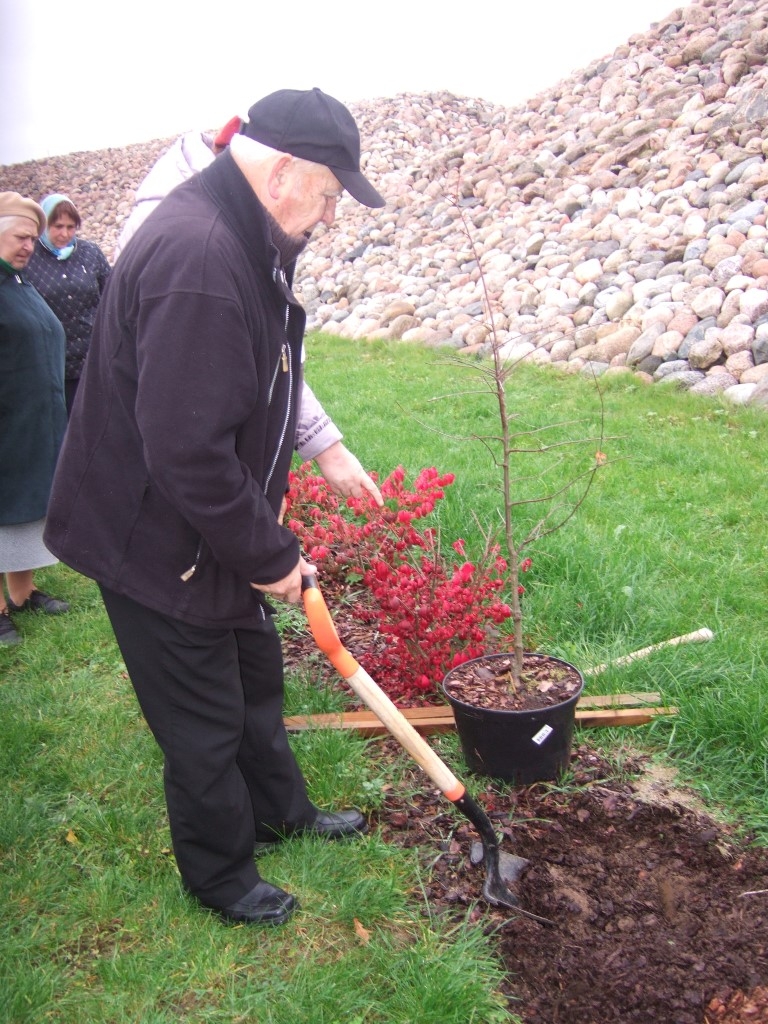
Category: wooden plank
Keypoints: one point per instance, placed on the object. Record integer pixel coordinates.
(621, 716)
(603, 710)
(616, 700)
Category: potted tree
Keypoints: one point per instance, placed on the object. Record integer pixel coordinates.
(515, 711)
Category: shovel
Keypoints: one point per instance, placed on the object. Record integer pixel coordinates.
(500, 868)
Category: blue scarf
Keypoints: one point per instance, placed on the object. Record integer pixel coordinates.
(49, 204)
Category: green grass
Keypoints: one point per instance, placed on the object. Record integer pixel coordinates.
(673, 535)
(95, 928)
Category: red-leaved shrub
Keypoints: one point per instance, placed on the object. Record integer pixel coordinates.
(432, 607)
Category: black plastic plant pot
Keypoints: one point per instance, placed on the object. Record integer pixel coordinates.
(521, 747)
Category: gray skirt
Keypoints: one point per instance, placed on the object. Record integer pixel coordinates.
(22, 548)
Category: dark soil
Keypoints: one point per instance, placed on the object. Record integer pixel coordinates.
(650, 921)
(659, 915)
(488, 682)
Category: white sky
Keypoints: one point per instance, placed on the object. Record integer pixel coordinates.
(90, 74)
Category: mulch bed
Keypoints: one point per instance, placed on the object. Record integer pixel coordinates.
(658, 913)
(650, 921)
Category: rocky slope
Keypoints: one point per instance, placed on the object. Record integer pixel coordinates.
(619, 218)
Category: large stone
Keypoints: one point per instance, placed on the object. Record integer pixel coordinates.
(726, 269)
(714, 384)
(754, 303)
(590, 270)
(739, 363)
(642, 348)
(683, 320)
(401, 324)
(754, 374)
(708, 303)
(717, 251)
(739, 394)
(477, 334)
(515, 351)
(564, 349)
(760, 347)
(673, 366)
(618, 304)
(737, 337)
(667, 345)
(759, 396)
(696, 334)
(683, 379)
(619, 341)
(704, 353)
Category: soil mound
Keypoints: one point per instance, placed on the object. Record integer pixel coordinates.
(658, 914)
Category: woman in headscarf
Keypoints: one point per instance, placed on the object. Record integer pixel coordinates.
(32, 413)
(70, 273)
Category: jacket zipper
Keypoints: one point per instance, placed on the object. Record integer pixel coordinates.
(285, 362)
(285, 358)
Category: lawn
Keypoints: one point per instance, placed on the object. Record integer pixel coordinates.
(672, 537)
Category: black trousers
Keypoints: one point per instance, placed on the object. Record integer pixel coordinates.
(213, 699)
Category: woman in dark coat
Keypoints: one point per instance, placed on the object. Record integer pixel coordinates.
(70, 273)
(32, 413)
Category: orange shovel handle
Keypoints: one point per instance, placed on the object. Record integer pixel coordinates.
(327, 639)
(323, 629)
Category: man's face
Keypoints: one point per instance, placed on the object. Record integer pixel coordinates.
(310, 198)
(17, 242)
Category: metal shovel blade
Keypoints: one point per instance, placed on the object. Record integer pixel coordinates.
(511, 868)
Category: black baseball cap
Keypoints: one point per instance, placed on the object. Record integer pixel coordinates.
(313, 126)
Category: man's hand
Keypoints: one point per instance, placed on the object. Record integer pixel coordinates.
(344, 474)
(289, 588)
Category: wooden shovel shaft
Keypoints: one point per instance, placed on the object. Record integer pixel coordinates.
(371, 694)
(698, 635)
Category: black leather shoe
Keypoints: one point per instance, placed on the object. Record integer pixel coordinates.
(327, 824)
(8, 634)
(264, 904)
(40, 602)
(337, 824)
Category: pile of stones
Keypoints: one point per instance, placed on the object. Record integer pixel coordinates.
(614, 223)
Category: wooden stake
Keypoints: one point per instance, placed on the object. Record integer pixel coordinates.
(697, 636)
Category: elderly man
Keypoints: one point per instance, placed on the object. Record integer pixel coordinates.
(169, 485)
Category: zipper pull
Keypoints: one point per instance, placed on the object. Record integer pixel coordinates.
(285, 360)
(190, 572)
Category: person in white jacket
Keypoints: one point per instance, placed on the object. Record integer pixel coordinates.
(189, 154)
(317, 436)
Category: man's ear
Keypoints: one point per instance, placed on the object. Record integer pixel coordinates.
(278, 177)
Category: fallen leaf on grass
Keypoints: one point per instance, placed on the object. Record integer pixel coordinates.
(362, 933)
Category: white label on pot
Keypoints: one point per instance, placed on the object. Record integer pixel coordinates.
(543, 734)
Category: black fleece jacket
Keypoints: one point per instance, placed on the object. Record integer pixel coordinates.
(177, 454)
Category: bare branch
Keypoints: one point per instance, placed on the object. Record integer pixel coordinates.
(509, 443)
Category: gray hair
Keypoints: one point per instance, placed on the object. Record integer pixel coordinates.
(7, 221)
(253, 153)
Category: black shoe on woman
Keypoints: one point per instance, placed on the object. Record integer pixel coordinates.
(8, 634)
(40, 602)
